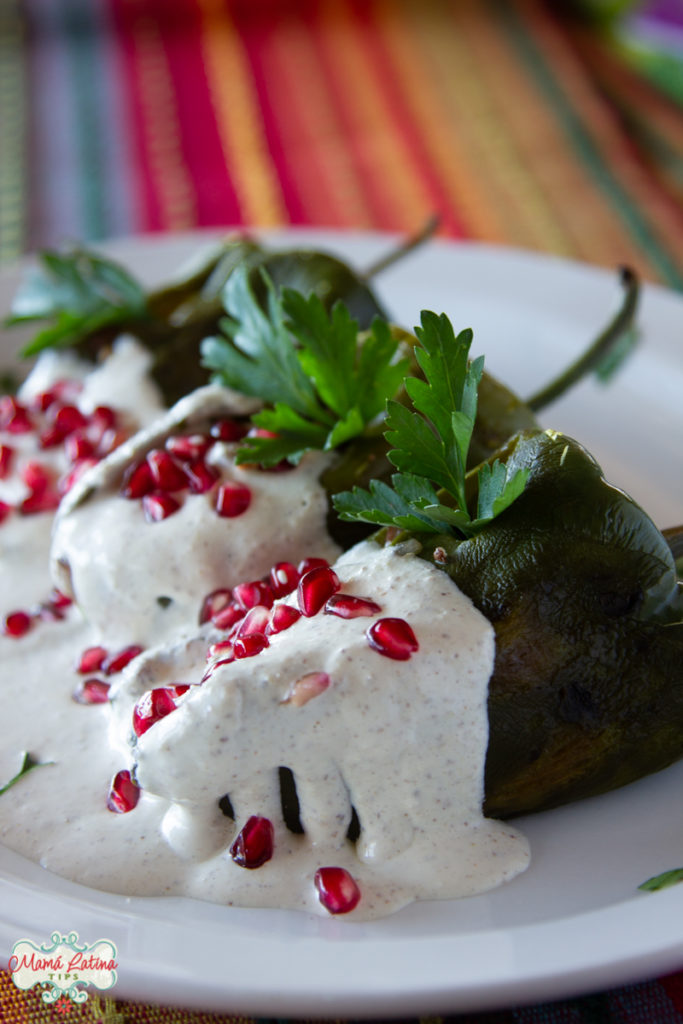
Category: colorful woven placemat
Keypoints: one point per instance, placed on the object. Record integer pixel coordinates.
(516, 122)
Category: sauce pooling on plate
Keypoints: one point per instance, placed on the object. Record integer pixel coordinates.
(355, 685)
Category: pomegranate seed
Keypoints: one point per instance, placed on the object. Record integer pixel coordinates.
(14, 417)
(152, 706)
(43, 400)
(315, 587)
(188, 448)
(45, 501)
(254, 622)
(69, 418)
(110, 440)
(248, 646)
(220, 648)
(282, 617)
(60, 600)
(92, 691)
(137, 481)
(17, 624)
(92, 659)
(5, 510)
(200, 476)
(50, 437)
(248, 595)
(123, 794)
(114, 663)
(78, 446)
(309, 686)
(77, 471)
(283, 578)
(159, 506)
(167, 475)
(36, 477)
(348, 607)
(232, 500)
(306, 564)
(213, 603)
(103, 418)
(393, 638)
(337, 890)
(179, 689)
(228, 616)
(48, 612)
(229, 430)
(254, 844)
(6, 454)
(217, 664)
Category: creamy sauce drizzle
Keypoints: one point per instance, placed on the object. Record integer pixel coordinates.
(403, 742)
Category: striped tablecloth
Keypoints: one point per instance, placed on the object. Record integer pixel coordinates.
(516, 122)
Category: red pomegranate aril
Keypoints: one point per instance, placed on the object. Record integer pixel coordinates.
(157, 507)
(116, 662)
(60, 600)
(254, 844)
(284, 578)
(48, 612)
(220, 649)
(75, 474)
(78, 446)
(14, 417)
(315, 588)
(248, 595)
(337, 890)
(179, 689)
(69, 418)
(167, 475)
(17, 624)
(309, 686)
(40, 501)
(92, 691)
(92, 659)
(228, 616)
(36, 477)
(393, 638)
(124, 793)
(109, 440)
(282, 617)
(104, 418)
(5, 510)
(6, 453)
(50, 437)
(216, 665)
(151, 708)
(254, 622)
(229, 430)
(214, 603)
(43, 400)
(306, 564)
(248, 646)
(348, 607)
(232, 500)
(200, 476)
(137, 481)
(188, 447)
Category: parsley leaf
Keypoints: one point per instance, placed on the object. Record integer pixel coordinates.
(323, 383)
(662, 881)
(433, 440)
(79, 293)
(27, 764)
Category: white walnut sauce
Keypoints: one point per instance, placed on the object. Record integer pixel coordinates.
(403, 742)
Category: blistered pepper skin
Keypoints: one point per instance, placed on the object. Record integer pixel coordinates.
(580, 586)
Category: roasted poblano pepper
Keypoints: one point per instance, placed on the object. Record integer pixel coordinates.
(581, 589)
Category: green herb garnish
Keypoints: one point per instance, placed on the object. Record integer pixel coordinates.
(324, 383)
(430, 446)
(78, 293)
(28, 764)
(663, 881)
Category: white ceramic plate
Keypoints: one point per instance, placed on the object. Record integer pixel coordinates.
(575, 922)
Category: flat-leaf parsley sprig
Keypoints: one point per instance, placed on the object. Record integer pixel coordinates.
(430, 445)
(322, 383)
